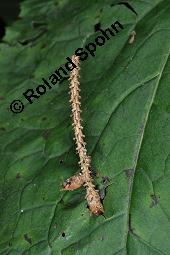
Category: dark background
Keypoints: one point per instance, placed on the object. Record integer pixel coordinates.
(9, 11)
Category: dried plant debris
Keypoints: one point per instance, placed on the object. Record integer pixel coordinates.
(132, 37)
(84, 178)
(74, 182)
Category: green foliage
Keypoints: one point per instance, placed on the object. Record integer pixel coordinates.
(126, 116)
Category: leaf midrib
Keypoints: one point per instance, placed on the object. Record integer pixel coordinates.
(139, 145)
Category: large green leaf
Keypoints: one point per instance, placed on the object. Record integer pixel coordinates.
(126, 116)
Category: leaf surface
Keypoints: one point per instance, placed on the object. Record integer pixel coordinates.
(126, 115)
